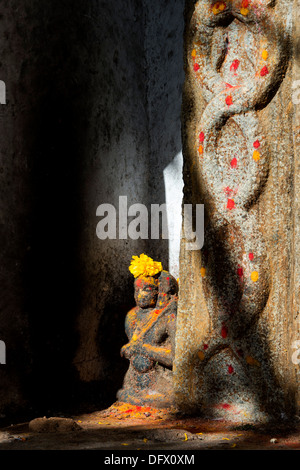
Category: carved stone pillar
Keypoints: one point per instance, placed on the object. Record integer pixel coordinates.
(238, 307)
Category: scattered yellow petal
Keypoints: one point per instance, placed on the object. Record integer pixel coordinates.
(79, 421)
(225, 439)
(203, 272)
(244, 11)
(201, 356)
(256, 155)
(233, 445)
(134, 337)
(254, 276)
(194, 53)
(124, 444)
(265, 54)
(185, 436)
(199, 433)
(145, 440)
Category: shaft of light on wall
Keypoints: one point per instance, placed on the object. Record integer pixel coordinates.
(173, 181)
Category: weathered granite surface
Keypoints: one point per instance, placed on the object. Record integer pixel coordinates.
(238, 306)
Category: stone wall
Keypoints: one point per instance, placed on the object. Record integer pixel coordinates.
(92, 113)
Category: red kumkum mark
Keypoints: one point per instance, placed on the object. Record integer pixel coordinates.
(230, 369)
(240, 272)
(224, 332)
(228, 190)
(264, 71)
(230, 204)
(228, 100)
(205, 346)
(201, 137)
(245, 3)
(234, 66)
(233, 163)
(225, 406)
(196, 67)
(256, 144)
(251, 256)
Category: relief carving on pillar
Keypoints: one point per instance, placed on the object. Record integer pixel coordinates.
(237, 57)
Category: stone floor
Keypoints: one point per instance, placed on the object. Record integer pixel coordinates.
(126, 428)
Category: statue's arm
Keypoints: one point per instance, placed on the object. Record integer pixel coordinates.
(166, 325)
(130, 323)
(159, 354)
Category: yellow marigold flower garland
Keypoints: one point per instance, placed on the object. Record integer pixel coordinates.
(143, 265)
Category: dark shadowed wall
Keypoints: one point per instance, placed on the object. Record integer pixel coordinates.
(92, 113)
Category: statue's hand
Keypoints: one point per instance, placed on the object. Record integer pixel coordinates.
(126, 351)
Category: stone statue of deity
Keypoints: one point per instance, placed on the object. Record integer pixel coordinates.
(150, 328)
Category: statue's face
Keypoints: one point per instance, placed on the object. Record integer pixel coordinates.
(145, 292)
(167, 288)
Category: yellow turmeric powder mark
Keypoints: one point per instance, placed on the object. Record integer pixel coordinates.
(157, 348)
(256, 155)
(194, 53)
(244, 11)
(254, 276)
(265, 54)
(201, 355)
(252, 362)
(218, 7)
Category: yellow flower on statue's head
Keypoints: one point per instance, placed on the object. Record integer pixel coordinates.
(143, 265)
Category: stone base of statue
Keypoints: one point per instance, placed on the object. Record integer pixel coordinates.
(154, 388)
